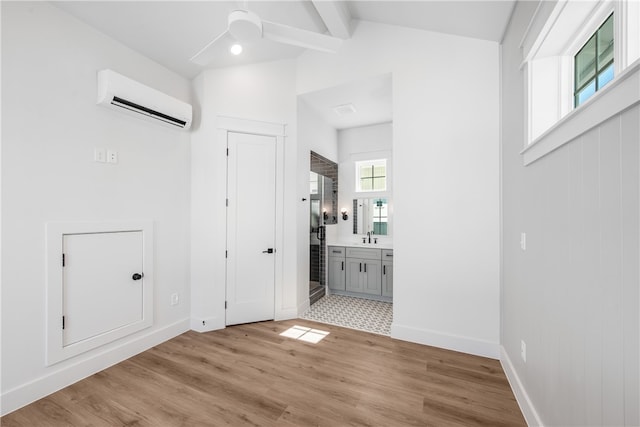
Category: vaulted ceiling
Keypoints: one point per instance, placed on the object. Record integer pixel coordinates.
(171, 32)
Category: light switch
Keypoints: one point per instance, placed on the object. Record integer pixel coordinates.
(112, 156)
(523, 241)
(99, 155)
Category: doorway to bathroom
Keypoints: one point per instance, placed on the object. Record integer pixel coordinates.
(323, 197)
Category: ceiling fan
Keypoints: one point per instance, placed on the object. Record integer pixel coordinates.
(245, 26)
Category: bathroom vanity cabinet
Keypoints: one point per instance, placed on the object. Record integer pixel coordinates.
(336, 267)
(364, 271)
(359, 271)
(387, 272)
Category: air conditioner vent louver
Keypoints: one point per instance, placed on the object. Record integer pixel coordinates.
(132, 106)
(126, 95)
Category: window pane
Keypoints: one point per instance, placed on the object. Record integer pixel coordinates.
(366, 171)
(380, 184)
(380, 171)
(585, 93)
(605, 76)
(380, 228)
(605, 43)
(586, 63)
(365, 184)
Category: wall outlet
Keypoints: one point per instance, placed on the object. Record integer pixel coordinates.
(112, 156)
(523, 351)
(175, 299)
(99, 155)
(523, 241)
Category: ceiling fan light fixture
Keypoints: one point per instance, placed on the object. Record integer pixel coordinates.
(236, 49)
(245, 25)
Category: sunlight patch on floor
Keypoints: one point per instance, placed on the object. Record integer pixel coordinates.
(302, 333)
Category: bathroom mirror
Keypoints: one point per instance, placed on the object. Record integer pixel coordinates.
(371, 215)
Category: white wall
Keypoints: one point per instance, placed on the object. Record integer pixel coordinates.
(354, 145)
(573, 295)
(51, 126)
(445, 151)
(263, 92)
(314, 134)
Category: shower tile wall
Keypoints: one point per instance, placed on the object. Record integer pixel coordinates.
(354, 215)
(323, 166)
(314, 263)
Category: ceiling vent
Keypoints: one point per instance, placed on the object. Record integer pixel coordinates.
(120, 93)
(345, 109)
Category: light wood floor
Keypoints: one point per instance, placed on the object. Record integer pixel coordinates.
(249, 375)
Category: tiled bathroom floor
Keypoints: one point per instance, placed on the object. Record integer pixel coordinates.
(355, 313)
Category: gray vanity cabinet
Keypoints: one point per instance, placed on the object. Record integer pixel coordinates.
(387, 272)
(364, 271)
(361, 272)
(372, 277)
(354, 279)
(337, 268)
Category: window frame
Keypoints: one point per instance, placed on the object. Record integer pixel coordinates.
(373, 163)
(556, 32)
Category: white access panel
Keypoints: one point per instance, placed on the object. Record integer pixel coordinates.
(92, 296)
(99, 290)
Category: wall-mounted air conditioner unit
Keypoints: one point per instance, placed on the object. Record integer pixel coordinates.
(123, 94)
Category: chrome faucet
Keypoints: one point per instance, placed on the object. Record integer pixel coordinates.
(369, 236)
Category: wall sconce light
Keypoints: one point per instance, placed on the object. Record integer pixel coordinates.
(325, 215)
(344, 214)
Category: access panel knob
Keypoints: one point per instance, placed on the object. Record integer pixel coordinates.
(137, 276)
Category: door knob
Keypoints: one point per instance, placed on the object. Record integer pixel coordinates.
(268, 251)
(137, 276)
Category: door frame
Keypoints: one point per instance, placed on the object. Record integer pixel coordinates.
(278, 131)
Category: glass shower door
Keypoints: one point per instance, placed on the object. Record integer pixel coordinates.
(321, 212)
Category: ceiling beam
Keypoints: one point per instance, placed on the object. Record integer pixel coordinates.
(336, 17)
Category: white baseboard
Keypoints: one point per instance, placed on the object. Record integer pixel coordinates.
(286, 313)
(450, 342)
(27, 393)
(529, 412)
(216, 323)
(207, 325)
(303, 307)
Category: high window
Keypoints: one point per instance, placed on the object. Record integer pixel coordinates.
(371, 175)
(574, 53)
(593, 64)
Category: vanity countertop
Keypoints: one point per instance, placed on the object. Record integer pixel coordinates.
(384, 245)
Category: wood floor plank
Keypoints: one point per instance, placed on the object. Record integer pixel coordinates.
(250, 375)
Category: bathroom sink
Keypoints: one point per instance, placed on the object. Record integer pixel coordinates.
(364, 245)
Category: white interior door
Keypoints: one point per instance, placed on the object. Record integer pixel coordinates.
(251, 221)
(100, 293)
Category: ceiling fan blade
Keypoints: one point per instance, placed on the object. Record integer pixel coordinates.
(213, 49)
(298, 37)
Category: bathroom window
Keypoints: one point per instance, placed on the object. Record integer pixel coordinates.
(371, 175)
(593, 64)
